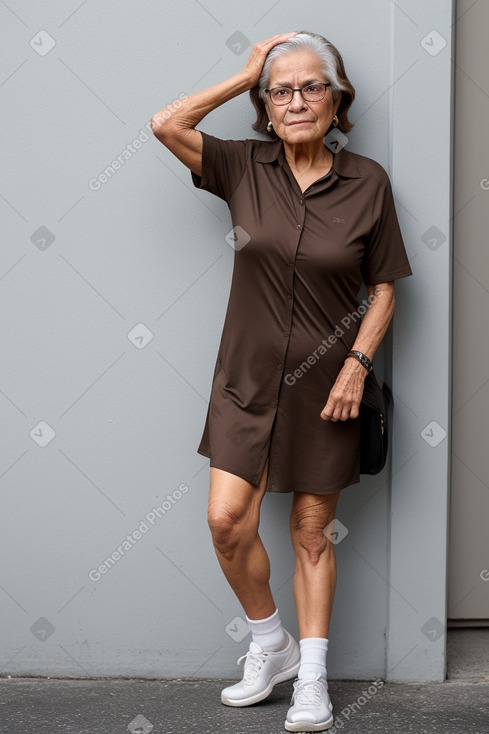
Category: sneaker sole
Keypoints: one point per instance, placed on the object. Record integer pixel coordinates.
(307, 727)
(281, 677)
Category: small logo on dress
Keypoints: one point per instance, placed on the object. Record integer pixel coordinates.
(339, 220)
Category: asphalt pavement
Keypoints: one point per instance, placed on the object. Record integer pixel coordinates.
(106, 706)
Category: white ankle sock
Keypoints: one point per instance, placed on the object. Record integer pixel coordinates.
(313, 658)
(268, 633)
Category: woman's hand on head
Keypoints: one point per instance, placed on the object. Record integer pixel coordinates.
(175, 128)
(253, 67)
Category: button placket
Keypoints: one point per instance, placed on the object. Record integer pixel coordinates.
(300, 215)
(283, 351)
(300, 212)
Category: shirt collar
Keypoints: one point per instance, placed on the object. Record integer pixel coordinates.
(343, 162)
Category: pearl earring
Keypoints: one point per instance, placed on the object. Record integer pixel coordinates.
(269, 126)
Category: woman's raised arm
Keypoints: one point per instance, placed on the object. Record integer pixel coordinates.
(175, 128)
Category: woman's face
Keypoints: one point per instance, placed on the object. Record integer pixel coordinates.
(300, 121)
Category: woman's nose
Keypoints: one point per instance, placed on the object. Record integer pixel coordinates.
(297, 101)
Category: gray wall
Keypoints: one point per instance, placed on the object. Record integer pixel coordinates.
(468, 590)
(112, 298)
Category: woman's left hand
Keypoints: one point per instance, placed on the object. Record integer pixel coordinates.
(346, 394)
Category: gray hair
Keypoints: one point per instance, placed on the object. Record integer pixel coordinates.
(305, 41)
(333, 68)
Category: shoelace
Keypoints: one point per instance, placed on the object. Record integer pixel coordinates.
(308, 693)
(254, 659)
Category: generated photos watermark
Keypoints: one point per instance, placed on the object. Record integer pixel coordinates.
(237, 629)
(326, 344)
(136, 144)
(352, 708)
(335, 531)
(140, 725)
(144, 526)
(433, 434)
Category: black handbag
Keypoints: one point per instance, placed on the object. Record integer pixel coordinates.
(375, 412)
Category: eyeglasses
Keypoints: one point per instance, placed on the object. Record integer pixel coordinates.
(310, 93)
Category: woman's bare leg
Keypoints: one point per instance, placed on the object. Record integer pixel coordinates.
(315, 570)
(233, 516)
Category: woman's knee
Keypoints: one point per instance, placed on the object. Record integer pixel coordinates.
(224, 525)
(233, 512)
(307, 524)
(308, 536)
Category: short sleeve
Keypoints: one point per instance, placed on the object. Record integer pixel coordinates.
(385, 255)
(223, 165)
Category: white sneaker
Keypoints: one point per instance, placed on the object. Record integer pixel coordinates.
(311, 708)
(262, 671)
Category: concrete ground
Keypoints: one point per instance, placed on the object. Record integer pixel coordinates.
(458, 706)
(468, 654)
(39, 706)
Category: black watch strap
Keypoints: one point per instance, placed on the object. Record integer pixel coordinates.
(362, 358)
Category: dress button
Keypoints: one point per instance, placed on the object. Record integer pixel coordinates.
(280, 366)
(301, 202)
(286, 333)
(274, 403)
(299, 226)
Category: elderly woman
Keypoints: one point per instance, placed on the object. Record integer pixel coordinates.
(310, 225)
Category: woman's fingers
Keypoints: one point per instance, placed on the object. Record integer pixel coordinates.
(278, 38)
(340, 410)
(345, 395)
(266, 45)
(256, 59)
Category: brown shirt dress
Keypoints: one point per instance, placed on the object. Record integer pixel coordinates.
(293, 311)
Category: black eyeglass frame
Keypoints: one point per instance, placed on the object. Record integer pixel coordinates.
(298, 89)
